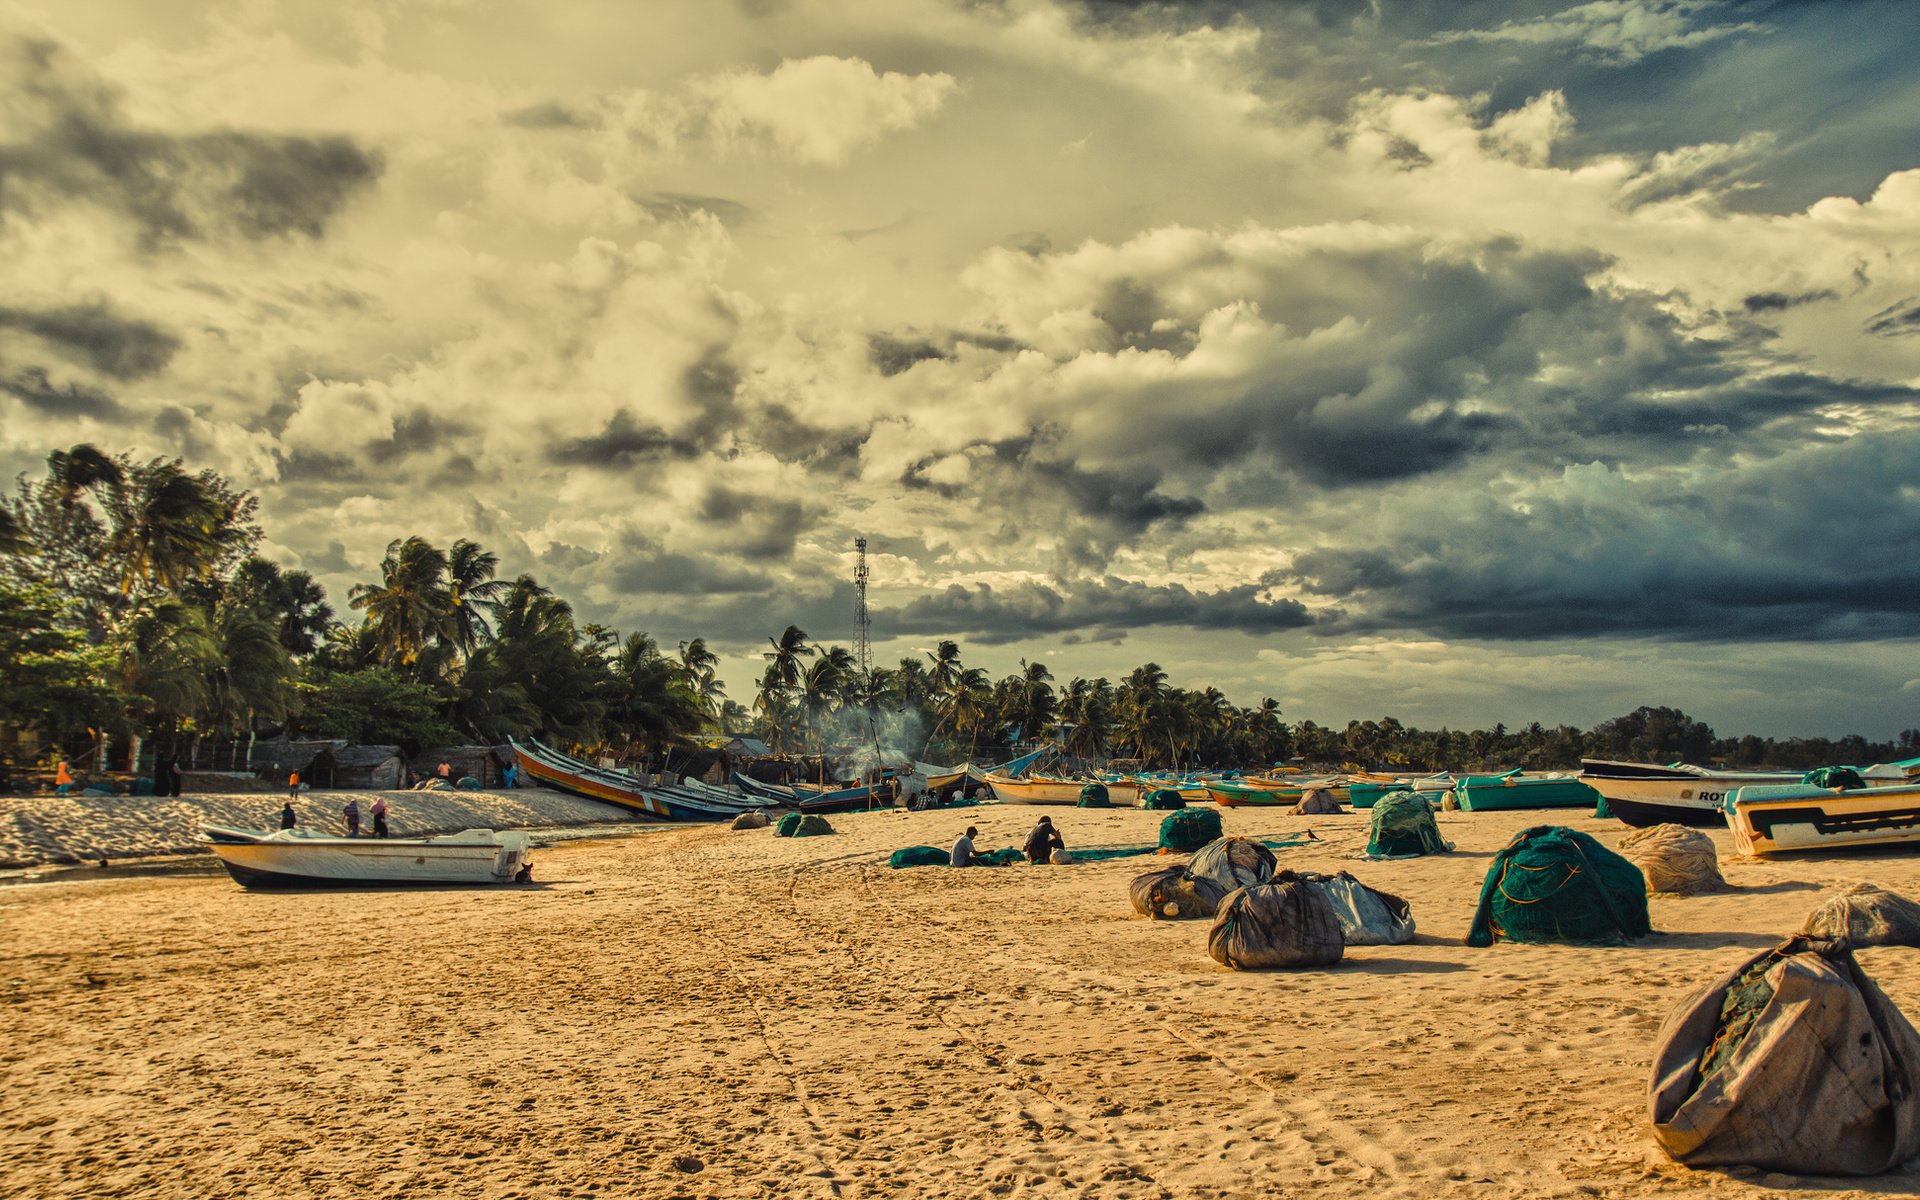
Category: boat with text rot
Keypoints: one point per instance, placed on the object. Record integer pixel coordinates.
(1643, 794)
(296, 858)
(672, 802)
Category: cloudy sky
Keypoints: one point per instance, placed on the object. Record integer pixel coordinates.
(1459, 362)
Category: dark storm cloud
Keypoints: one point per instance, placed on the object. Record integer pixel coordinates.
(67, 142)
(1822, 544)
(32, 387)
(419, 431)
(551, 114)
(1028, 475)
(662, 573)
(775, 429)
(1761, 302)
(96, 335)
(891, 355)
(759, 528)
(1897, 320)
(622, 443)
(995, 616)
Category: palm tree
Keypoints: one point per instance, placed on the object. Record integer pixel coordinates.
(472, 592)
(946, 668)
(1087, 707)
(788, 649)
(967, 703)
(13, 535)
(409, 608)
(700, 666)
(1034, 699)
(653, 705)
(1141, 707)
(251, 673)
(173, 534)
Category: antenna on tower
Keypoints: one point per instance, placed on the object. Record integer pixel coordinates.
(862, 622)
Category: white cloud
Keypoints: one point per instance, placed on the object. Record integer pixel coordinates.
(821, 109)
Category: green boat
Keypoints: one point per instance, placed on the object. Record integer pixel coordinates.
(1516, 789)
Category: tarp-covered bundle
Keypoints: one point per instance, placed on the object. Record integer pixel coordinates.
(1175, 895)
(1316, 802)
(1233, 862)
(802, 825)
(1866, 916)
(751, 820)
(1794, 1062)
(1367, 916)
(1094, 795)
(1403, 824)
(1554, 884)
(1189, 829)
(1275, 925)
(1163, 798)
(1675, 859)
(1844, 778)
(920, 856)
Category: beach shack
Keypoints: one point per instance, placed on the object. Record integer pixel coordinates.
(372, 768)
(482, 763)
(273, 761)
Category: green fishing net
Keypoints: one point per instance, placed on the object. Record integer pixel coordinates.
(1163, 798)
(1094, 795)
(1189, 829)
(1554, 884)
(1402, 823)
(801, 825)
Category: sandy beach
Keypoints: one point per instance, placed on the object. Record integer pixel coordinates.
(711, 1013)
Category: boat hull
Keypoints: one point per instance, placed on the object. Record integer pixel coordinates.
(1230, 795)
(1643, 794)
(564, 773)
(1497, 793)
(1786, 818)
(474, 857)
(1056, 791)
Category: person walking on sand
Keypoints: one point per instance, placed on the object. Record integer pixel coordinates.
(352, 813)
(963, 851)
(62, 778)
(380, 817)
(293, 786)
(1043, 841)
(287, 819)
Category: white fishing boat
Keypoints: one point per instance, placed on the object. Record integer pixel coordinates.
(1803, 816)
(1649, 794)
(295, 858)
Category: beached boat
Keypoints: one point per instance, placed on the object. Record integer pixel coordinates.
(1516, 789)
(1055, 789)
(1767, 819)
(1268, 793)
(1363, 791)
(565, 773)
(295, 858)
(1649, 794)
(805, 798)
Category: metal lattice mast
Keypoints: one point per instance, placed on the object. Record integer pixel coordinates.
(862, 622)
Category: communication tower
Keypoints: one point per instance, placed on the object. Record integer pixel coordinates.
(862, 622)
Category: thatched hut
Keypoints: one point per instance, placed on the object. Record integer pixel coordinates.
(274, 761)
(374, 768)
(484, 763)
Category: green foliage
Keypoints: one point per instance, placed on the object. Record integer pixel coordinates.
(50, 677)
(375, 706)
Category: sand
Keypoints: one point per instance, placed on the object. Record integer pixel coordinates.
(705, 1012)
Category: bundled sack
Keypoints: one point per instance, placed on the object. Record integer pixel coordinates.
(1866, 916)
(1275, 925)
(801, 825)
(1061, 857)
(920, 856)
(1189, 829)
(1175, 895)
(1675, 859)
(1317, 801)
(1367, 916)
(1233, 863)
(1094, 795)
(1554, 884)
(467, 783)
(1163, 798)
(1402, 824)
(751, 820)
(1795, 1062)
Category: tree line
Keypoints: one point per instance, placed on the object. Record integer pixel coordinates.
(135, 605)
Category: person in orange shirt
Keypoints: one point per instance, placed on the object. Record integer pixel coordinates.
(293, 786)
(62, 778)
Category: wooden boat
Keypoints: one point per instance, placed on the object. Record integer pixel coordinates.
(1054, 789)
(295, 858)
(1648, 794)
(1233, 794)
(1362, 792)
(941, 778)
(1768, 819)
(565, 773)
(805, 798)
(1516, 789)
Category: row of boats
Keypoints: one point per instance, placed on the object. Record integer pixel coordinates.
(1768, 811)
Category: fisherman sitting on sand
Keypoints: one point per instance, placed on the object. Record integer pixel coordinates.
(1043, 841)
(963, 851)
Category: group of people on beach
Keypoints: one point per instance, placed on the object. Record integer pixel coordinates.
(351, 814)
(1041, 844)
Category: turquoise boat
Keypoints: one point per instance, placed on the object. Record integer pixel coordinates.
(1362, 794)
(1516, 789)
